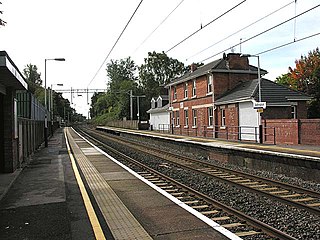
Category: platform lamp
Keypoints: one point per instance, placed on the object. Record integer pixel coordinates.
(45, 98)
(259, 89)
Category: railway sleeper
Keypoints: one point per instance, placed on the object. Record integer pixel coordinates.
(247, 233)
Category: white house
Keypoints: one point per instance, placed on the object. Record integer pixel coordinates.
(159, 114)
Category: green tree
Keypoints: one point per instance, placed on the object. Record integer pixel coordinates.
(305, 77)
(33, 77)
(115, 103)
(158, 69)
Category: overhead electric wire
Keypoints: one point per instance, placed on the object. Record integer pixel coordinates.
(115, 42)
(206, 25)
(159, 25)
(289, 43)
(251, 24)
(263, 32)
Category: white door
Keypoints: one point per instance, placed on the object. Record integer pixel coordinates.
(248, 122)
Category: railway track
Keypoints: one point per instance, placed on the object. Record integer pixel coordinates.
(286, 193)
(237, 222)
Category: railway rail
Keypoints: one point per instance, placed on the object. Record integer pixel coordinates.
(283, 192)
(236, 221)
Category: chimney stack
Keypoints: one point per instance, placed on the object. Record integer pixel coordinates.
(193, 67)
(237, 62)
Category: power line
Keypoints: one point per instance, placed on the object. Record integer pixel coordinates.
(116, 42)
(206, 25)
(158, 25)
(263, 32)
(251, 24)
(289, 43)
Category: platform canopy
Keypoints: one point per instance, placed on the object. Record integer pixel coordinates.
(10, 76)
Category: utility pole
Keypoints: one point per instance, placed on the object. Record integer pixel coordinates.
(131, 107)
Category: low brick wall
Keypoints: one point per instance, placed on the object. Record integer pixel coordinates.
(295, 131)
(286, 130)
(310, 131)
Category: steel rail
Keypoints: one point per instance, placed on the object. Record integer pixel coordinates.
(269, 230)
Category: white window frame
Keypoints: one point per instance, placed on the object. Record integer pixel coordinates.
(186, 90)
(223, 117)
(194, 88)
(175, 93)
(210, 83)
(194, 117)
(210, 116)
(177, 118)
(186, 118)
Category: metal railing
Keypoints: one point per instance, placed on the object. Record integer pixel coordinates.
(236, 133)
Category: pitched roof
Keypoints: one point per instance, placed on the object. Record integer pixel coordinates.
(220, 65)
(271, 92)
(159, 110)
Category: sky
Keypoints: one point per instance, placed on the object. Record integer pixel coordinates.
(83, 32)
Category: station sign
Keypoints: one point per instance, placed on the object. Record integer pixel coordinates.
(259, 105)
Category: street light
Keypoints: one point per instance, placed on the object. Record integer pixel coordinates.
(45, 98)
(259, 89)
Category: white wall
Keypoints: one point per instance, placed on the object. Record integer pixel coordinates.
(159, 118)
(248, 119)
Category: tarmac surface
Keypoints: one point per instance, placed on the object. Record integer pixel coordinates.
(43, 201)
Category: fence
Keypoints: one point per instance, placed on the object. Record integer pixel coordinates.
(236, 133)
(129, 124)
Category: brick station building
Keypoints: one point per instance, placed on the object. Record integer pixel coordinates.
(216, 100)
(11, 80)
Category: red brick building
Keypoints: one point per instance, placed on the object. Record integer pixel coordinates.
(216, 100)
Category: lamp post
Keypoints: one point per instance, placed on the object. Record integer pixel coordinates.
(45, 98)
(259, 92)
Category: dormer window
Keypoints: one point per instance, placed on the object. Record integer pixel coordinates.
(186, 90)
(194, 88)
(153, 103)
(209, 83)
(159, 102)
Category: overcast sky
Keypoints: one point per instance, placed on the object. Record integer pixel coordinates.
(83, 32)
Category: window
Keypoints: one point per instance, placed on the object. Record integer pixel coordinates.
(174, 92)
(223, 117)
(194, 117)
(177, 118)
(186, 117)
(153, 103)
(193, 88)
(173, 118)
(209, 83)
(294, 112)
(210, 116)
(186, 90)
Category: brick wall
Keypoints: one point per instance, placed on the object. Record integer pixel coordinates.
(10, 143)
(286, 130)
(310, 131)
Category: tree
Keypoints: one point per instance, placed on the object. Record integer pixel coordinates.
(33, 77)
(305, 77)
(2, 23)
(114, 104)
(158, 69)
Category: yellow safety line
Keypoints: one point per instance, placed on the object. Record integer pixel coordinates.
(91, 213)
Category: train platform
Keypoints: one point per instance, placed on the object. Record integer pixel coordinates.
(295, 151)
(88, 195)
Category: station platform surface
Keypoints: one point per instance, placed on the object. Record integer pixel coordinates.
(310, 152)
(45, 200)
